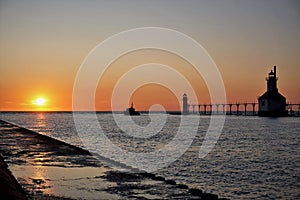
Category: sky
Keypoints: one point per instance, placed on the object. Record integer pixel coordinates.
(43, 44)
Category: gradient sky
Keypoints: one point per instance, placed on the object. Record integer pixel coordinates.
(43, 43)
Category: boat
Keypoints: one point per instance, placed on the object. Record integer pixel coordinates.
(131, 111)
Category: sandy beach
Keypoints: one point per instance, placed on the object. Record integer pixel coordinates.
(47, 168)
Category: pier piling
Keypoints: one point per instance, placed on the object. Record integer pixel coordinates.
(208, 109)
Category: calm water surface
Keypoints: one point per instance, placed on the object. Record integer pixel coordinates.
(255, 158)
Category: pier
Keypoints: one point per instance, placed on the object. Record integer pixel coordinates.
(45, 166)
(293, 109)
(224, 109)
(239, 108)
(270, 104)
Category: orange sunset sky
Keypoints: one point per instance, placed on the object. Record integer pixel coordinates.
(43, 44)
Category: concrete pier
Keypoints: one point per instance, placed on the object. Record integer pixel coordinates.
(249, 109)
(222, 109)
(51, 169)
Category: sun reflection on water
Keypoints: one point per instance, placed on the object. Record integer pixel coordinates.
(41, 181)
(40, 120)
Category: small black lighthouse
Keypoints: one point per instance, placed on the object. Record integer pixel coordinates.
(272, 103)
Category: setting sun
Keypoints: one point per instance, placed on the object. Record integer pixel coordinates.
(40, 101)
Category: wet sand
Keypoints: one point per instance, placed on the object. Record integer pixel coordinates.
(47, 168)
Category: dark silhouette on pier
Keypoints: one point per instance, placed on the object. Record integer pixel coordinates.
(185, 105)
(272, 103)
(131, 111)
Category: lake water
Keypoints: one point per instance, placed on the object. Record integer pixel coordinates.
(254, 158)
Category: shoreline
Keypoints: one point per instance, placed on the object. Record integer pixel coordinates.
(24, 149)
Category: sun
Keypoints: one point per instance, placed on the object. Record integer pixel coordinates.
(40, 101)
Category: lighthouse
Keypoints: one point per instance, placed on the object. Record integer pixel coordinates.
(185, 106)
(272, 103)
